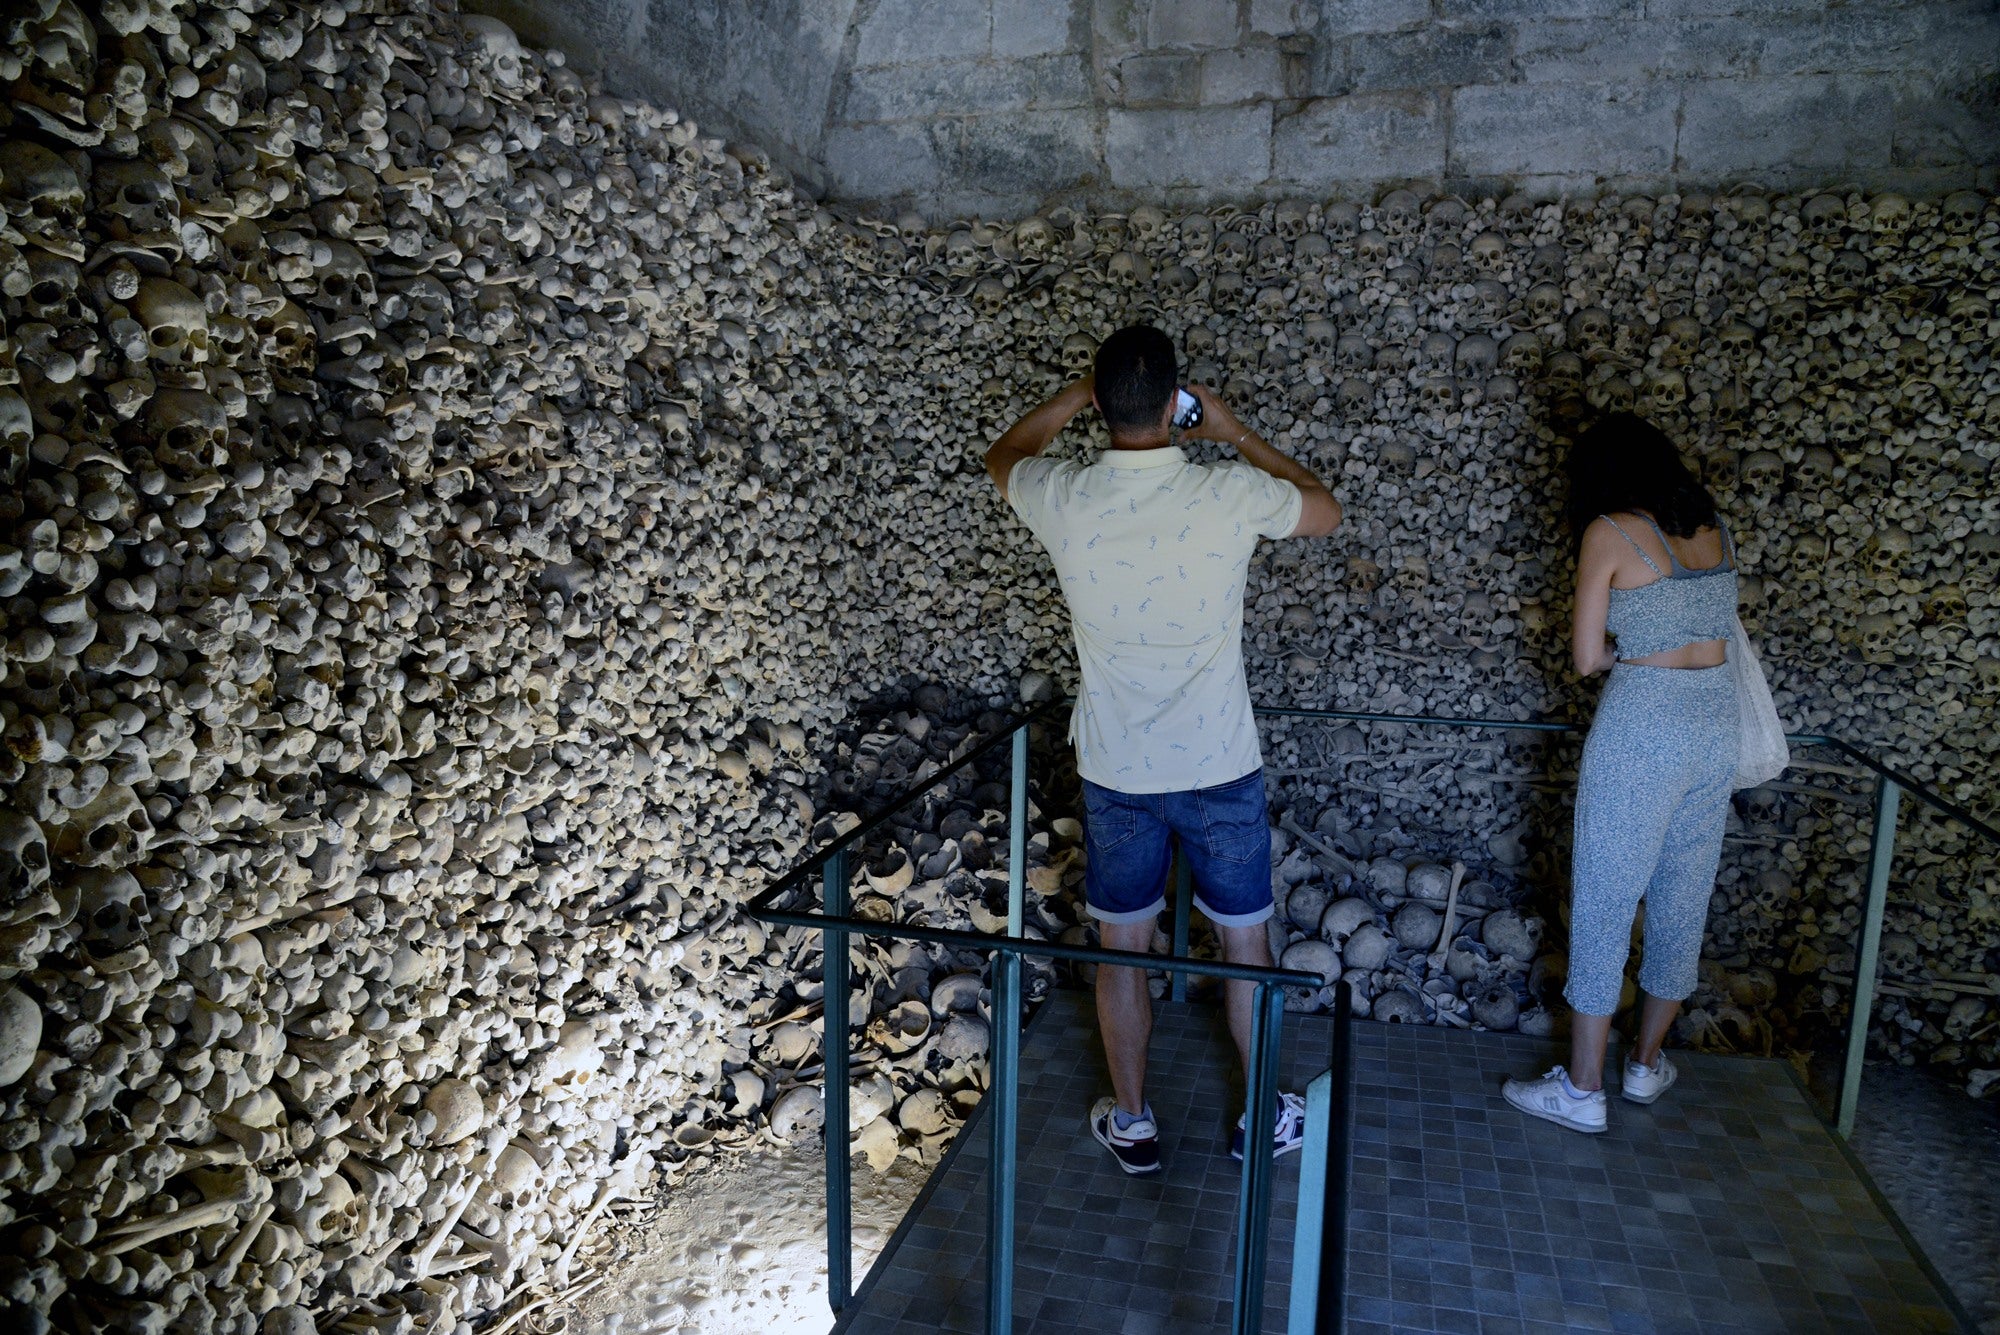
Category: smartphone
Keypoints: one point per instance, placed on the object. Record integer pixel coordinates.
(1187, 410)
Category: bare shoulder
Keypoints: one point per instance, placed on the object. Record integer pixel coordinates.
(1600, 537)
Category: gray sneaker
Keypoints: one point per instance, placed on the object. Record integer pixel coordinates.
(1643, 1084)
(1548, 1098)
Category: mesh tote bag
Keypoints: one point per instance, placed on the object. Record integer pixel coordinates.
(1761, 753)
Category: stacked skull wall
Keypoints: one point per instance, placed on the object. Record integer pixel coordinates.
(446, 506)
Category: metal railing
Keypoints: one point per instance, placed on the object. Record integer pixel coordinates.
(1002, 1106)
(1890, 785)
(1320, 1229)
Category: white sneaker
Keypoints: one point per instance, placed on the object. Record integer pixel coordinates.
(1548, 1098)
(1643, 1084)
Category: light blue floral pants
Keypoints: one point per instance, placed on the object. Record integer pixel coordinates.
(1651, 796)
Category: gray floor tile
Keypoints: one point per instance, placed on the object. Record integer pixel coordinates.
(1726, 1208)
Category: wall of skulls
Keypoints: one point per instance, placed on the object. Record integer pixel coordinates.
(449, 511)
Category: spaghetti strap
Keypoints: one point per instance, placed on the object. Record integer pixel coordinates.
(1728, 542)
(1668, 547)
(1637, 548)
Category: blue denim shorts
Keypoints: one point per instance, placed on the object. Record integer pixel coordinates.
(1223, 834)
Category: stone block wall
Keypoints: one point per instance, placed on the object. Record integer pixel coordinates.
(996, 106)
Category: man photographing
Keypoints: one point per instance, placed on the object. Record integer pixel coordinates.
(1152, 552)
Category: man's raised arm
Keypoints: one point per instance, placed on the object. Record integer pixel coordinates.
(1032, 434)
(1319, 513)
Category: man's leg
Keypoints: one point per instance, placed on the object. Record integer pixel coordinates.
(1243, 945)
(1125, 1013)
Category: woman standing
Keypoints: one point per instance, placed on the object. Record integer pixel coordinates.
(1656, 572)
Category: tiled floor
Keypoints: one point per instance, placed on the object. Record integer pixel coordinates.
(1726, 1207)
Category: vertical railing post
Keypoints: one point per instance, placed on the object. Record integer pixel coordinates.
(1002, 1074)
(1881, 853)
(1017, 837)
(1183, 912)
(834, 1000)
(1253, 1210)
(1333, 1241)
(1312, 1217)
(1319, 1239)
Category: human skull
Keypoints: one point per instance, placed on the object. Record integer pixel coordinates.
(1477, 357)
(1946, 605)
(1197, 237)
(1959, 215)
(1509, 932)
(1824, 216)
(1321, 338)
(17, 434)
(1888, 553)
(1371, 249)
(1590, 331)
(139, 203)
(1232, 250)
(1548, 264)
(1919, 465)
(114, 916)
(41, 196)
(1078, 351)
(345, 282)
(24, 860)
(1487, 254)
(1342, 220)
(1489, 301)
(1613, 393)
(1880, 637)
(1982, 559)
(1763, 805)
(1289, 220)
(1353, 352)
(191, 429)
(1969, 313)
(1501, 390)
(1147, 225)
(1564, 373)
(1762, 473)
(1397, 214)
(1667, 391)
(288, 339)
(52, 290)
(1902, 957)
(1889, 217)
(989, 297)
(1437, 395)
(1683, 334)
(175, 321)
(332, 1214)
(1738, 340)
(1787, 317)
(1035, 239)
(1521, 355)
(1434, 353)
(1986, 671)
(1354, 398)
(1270, 256)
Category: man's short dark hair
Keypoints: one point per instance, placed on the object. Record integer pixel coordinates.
(1136, 374)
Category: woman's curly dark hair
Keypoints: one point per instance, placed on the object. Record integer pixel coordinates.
(1622, 463)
